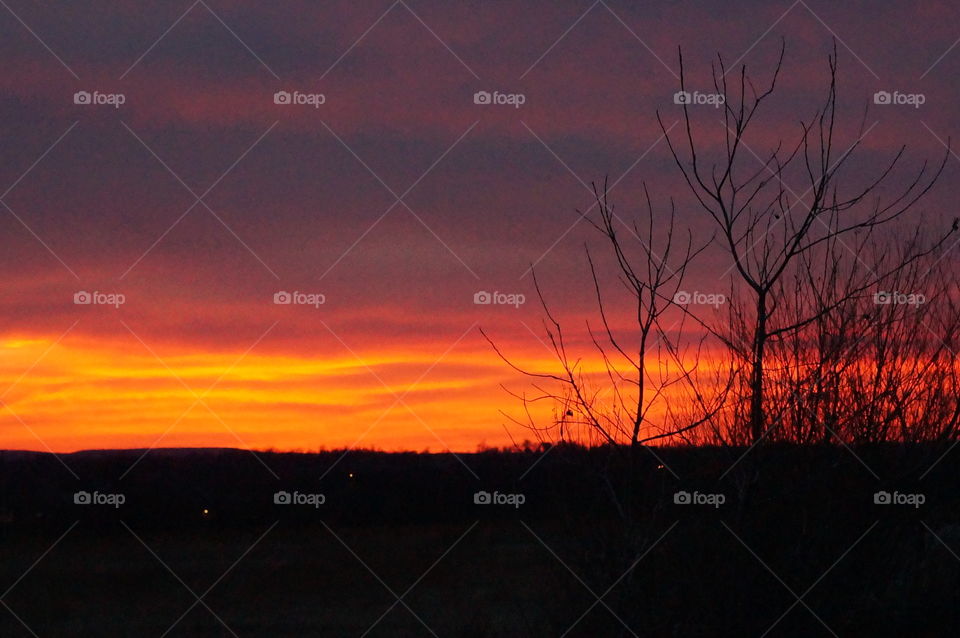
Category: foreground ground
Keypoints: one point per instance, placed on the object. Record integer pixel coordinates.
(787, 541)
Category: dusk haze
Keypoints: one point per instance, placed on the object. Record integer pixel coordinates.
(479, 318)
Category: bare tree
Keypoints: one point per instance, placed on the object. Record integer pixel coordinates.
(769, 230)
(879, 368)
(616, 408)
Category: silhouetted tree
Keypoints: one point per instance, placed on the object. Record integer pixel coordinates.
(638, 372)
(770, 232)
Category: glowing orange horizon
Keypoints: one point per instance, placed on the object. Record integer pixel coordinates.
(68, 396)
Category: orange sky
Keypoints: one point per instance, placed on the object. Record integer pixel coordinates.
(79, 395)
(398, 200)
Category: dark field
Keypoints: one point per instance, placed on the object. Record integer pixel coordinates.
(797, 547)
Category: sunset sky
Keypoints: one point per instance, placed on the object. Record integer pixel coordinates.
(397, 199)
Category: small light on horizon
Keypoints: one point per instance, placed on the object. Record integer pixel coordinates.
(206, 511)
